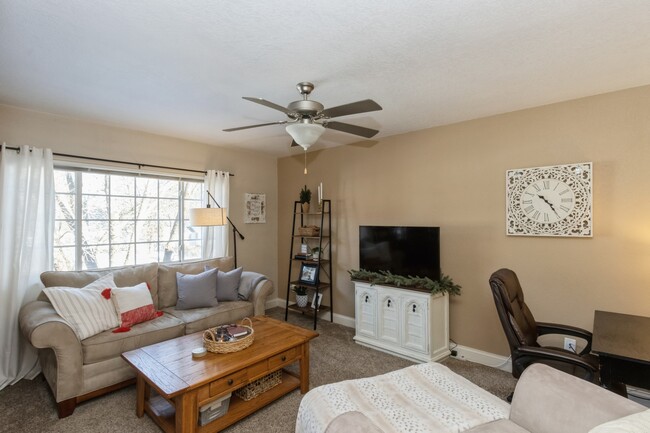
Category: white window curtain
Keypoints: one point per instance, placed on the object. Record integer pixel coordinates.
(215, 239)
(26, 232)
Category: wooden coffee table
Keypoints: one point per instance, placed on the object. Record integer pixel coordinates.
(184, 384)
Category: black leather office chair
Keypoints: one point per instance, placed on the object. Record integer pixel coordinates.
(522, 332)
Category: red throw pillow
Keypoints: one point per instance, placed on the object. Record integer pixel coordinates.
(133, 305)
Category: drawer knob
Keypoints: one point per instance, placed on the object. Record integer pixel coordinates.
(230, 381)
(284, 358)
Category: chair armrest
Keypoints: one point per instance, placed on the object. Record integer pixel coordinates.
(557, 355)
(556, 328)
(262, 291)
(45, 329)
(547, 400)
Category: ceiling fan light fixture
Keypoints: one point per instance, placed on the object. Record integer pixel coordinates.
(305, 133)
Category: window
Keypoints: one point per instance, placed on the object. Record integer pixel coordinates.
(107, 219)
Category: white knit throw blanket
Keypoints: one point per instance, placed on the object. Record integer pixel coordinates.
(417, 399)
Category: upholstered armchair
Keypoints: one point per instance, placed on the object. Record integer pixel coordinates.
(523, 332)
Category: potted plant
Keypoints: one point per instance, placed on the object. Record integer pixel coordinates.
(315, 253)
(302, 299)
(305, 199)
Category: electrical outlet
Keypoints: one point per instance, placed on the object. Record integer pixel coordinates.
(570, 344)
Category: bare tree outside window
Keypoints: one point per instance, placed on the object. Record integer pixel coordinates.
(106, 220)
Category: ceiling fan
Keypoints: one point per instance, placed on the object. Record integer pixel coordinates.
(308, 119)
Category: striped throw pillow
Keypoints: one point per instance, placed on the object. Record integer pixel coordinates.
(88, 310)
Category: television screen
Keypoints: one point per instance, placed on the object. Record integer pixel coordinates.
(407, 251)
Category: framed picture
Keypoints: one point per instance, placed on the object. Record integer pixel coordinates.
(308, 273)
(255, 208)
(315, 303)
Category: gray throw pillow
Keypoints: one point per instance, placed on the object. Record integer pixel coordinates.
(196, 291)
(228, 285)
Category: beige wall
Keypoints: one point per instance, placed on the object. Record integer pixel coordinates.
(254, 172)
(454, 177)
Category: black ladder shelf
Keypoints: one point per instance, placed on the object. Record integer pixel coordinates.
(323, 280)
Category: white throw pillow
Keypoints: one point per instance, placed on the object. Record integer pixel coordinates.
(134, 305)
(636, 423)
(88, 310)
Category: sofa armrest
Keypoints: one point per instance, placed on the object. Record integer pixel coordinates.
(352, 422)
(262, 291)
(45, 329)
(547, 400)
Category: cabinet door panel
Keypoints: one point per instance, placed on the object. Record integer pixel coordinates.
(415, 324)
(366, 312)
(388, 321)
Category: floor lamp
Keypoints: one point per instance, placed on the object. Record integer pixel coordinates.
(211, 216)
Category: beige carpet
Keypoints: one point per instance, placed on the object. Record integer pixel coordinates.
(28, 406)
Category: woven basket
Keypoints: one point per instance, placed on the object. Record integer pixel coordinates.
(259, 386)
(308, 231)
(212, 345)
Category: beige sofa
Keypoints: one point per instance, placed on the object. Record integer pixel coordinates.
(545, 401)
(78, 370)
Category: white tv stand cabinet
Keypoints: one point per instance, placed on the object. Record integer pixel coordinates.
(408, 323)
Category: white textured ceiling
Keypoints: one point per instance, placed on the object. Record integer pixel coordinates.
(180, 68)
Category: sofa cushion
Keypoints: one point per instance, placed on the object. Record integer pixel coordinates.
(197, 291)
(498, 426)
(133, 305)
(167, 288)
(200, 319)
(124, 277)
(87, 310)
(635, 423)
(109, 345)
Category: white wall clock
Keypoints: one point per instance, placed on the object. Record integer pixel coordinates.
(550, 201)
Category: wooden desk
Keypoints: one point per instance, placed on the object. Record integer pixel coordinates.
(622, 342)
(184, 384)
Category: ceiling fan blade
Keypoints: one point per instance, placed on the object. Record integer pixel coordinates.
(351, 129)
(294, 144)
(266, 103)
(279, 122)
(353, 108)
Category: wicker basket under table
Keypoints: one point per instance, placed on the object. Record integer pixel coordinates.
(259, 386)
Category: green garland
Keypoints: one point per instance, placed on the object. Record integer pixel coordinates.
(444, 285)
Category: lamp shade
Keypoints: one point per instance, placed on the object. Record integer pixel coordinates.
(208, 216)
(305, 134)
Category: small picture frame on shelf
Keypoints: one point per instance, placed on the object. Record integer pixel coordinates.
(315, 303)
(308, 273)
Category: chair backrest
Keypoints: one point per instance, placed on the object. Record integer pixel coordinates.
(517, 320)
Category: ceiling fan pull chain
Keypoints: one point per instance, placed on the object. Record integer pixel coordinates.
(305, 161)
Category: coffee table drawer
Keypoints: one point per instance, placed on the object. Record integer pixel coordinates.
(229, 382)
(283, 358)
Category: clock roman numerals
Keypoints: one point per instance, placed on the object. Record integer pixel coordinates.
(549, 201)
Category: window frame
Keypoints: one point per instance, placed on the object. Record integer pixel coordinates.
(80, 169)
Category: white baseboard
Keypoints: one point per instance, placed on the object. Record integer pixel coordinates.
(338, 318)
(486, 358)
(463, 353)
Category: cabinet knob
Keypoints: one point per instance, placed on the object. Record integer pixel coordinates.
(230, 381)
(284, 358)
(388, 303)
(366, 299)
(414, 308)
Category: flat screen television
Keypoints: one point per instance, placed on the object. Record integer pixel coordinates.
(407, 251)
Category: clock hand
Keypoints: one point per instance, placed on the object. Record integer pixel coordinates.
(549, 204)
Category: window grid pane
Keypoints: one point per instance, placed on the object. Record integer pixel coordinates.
(108, 220)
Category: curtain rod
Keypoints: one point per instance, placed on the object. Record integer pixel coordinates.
(140, 165)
